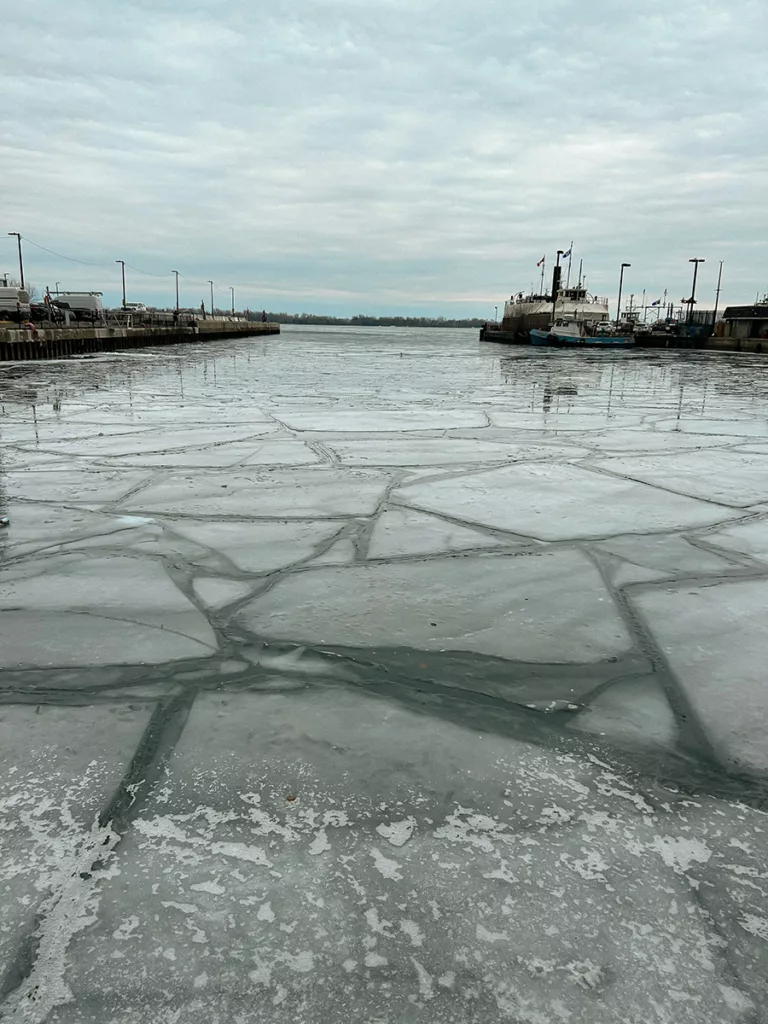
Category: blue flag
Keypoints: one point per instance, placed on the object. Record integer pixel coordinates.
(566, 254)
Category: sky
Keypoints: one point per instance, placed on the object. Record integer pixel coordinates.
(397, 156)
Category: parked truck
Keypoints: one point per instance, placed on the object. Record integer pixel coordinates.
(14, 303)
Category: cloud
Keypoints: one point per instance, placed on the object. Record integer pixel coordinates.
(397, 156)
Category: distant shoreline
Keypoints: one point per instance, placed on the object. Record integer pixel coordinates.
(311, 320)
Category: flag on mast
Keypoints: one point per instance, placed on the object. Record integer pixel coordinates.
(541, 261)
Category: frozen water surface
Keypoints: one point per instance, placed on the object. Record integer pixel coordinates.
(386, 676)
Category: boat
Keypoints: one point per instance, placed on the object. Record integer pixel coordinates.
(525, 313)
(571, 331)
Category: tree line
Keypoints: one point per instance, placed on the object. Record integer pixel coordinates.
(362, 320)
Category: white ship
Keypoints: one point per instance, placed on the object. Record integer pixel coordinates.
(523, 313)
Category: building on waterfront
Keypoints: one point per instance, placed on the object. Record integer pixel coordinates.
(747, 321)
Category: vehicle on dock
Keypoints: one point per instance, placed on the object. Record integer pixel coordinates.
(567, 331)
(82, 305)
(14, 303)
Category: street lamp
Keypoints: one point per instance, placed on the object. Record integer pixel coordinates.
(21, 262)
(233, 299)
(621, 283)
(122, 267)
(211, 284)
(497, 313)
(717, 293)
(692, 302)
(177, 288)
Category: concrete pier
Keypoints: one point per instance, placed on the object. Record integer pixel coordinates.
(64, 342)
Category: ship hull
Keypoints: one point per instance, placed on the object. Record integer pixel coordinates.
(545, 337)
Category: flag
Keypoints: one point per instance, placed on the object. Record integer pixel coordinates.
(541, 261)
(566, 254)
(656, 303)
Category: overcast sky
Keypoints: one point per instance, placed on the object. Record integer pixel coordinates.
(387, 156)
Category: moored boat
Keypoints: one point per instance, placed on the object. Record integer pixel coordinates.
(566, 331)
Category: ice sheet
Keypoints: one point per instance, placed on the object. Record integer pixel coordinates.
(297, 494)
(634, 710)
(547, 607)
(431, 874)
(749, 538)
(730, 477)
(716, 638)
(442, 451)
(75, 610)
(401, 531)
(376, 420)
(552, 502)
(58, 767)
(259, 546)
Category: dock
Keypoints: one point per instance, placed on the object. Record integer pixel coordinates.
(24, 344)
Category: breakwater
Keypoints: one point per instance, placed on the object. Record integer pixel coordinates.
(66, 342)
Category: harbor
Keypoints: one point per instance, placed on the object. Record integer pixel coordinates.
(567, 315)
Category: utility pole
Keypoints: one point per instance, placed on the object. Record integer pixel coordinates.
(232, 290)
(692, 300)
(211, 284)
(21, 261)
(122, 268)
(717, 293)
(621, 284)
(177, 288)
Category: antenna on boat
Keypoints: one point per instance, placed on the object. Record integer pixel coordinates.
(570, 258)
(581, 264)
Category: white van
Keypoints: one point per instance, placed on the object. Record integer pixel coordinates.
(85, 305)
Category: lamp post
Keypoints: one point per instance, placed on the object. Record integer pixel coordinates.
(232, 290)
(122, 268)
(177, 288)
(692, 301)
(621, 284)
(717, 293)
(21, 262)
(211, 284)
(497, 314)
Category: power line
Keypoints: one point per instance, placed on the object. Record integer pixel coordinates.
(147, 273)
(87, 263)
(61, 256)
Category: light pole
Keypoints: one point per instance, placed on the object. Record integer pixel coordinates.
(717, 293)
(21, 262)
(497, 313)
(692, 301)
(621, 284)
(122, 268)
(177, 288)
(211, 284)
(57, 287)
(232, 290)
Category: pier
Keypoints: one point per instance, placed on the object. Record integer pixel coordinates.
(24, 344)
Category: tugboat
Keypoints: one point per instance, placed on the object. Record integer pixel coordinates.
(570, 331)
